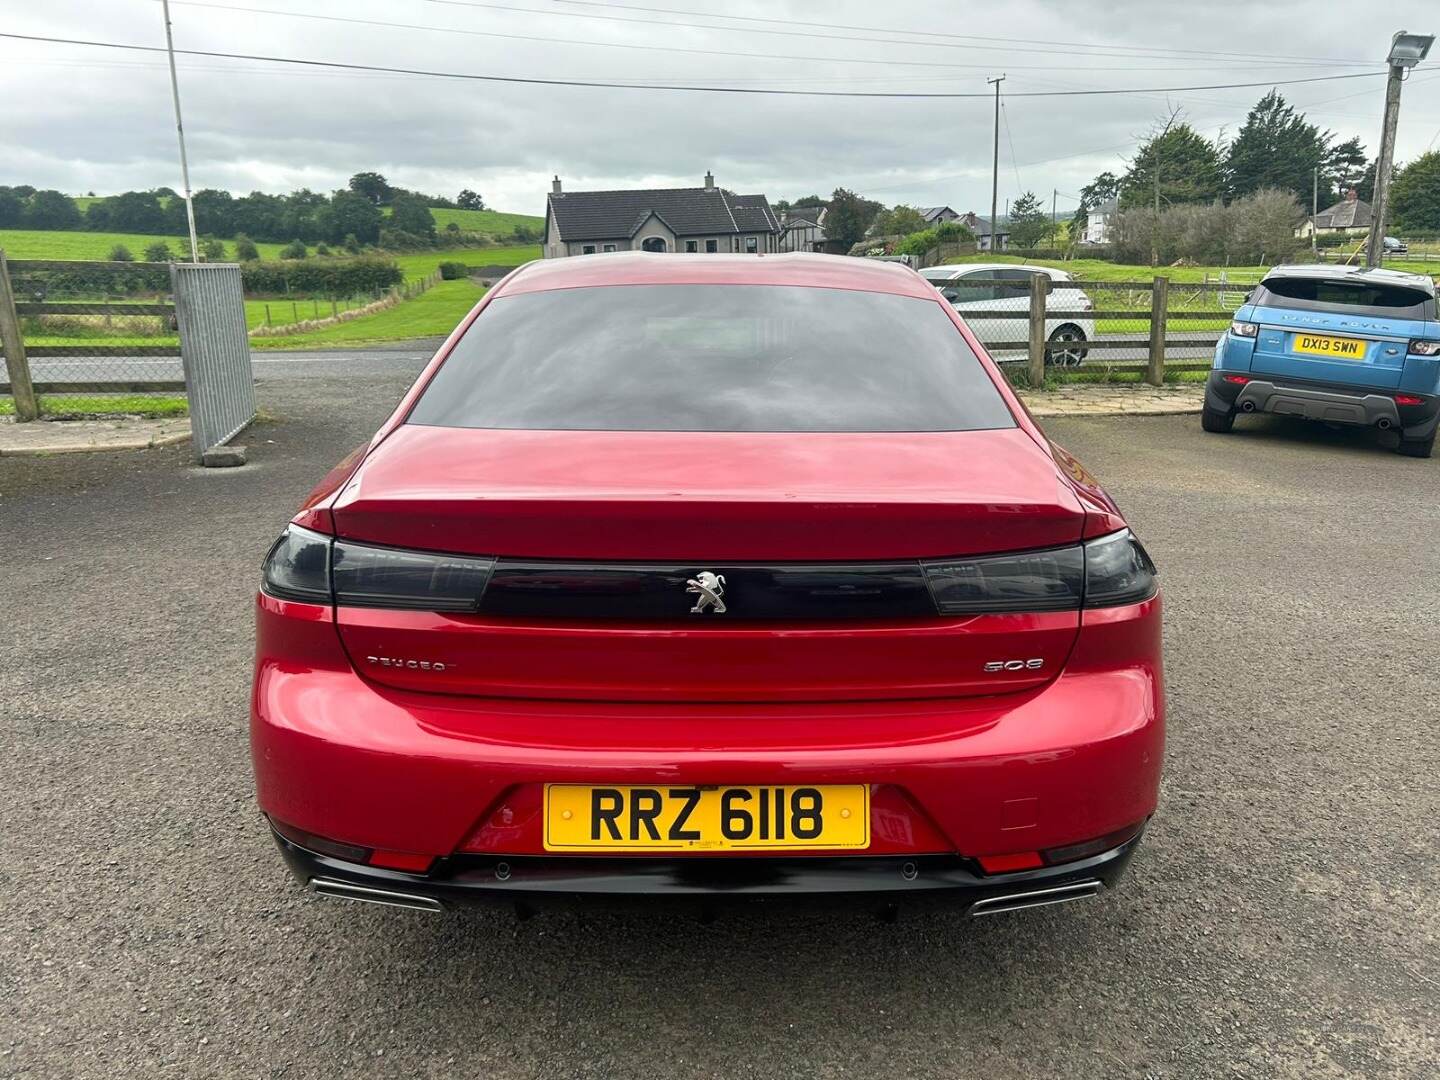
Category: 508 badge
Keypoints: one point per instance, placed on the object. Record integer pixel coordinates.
(1015, 665)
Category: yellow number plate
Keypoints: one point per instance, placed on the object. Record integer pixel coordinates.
(1339, 347)
(579, 817)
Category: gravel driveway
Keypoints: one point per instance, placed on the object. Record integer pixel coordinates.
(1280, 920)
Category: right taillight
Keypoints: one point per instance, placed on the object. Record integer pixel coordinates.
(1118, 570)
(313, 567)
(1107, 572)
(1419, 347)
(1244, 329)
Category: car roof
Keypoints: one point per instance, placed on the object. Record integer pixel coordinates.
(1377, 274)
(647, 268)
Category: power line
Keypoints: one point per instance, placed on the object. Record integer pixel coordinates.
(688, 88)
(668, 49)
(1067, 45)
(1067, 50)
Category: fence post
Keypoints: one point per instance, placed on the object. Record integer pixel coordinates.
(1039, 285)
(1159, 305)
(21, 389)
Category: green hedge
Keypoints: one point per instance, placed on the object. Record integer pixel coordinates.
(328, 277)
(453, 271)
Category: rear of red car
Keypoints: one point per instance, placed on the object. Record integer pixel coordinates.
(679, 576)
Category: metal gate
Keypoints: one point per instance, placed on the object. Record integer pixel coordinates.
(214, 350)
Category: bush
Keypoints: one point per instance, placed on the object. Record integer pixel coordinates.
(322, 248)
(453, 271)
(351, 244)
(156, 252)
(245, 249)
(333, 277)
(120, 253)
(1257, 227)
(293, 250)
(212, 250)
(400, 240)
(453, 228)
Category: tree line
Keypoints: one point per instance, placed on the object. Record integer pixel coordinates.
(354, 215)
(1277, 149)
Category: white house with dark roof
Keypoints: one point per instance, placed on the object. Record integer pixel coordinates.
(699, 220)
(1348, 217)
(802, 229)
(935, 215)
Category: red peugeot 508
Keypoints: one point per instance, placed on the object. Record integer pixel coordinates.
(676, 575)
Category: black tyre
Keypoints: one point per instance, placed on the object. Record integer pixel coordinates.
(1216, 420)
(1066, 347)
(1417, 447)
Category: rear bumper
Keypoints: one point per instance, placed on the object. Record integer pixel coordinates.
(852, 880)
(1329, 402)
(436, 775)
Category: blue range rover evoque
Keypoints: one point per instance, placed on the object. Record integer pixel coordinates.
(1342, 344)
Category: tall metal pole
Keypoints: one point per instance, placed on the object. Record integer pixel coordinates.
(180, 131)
(995, 168)
(1384, 161)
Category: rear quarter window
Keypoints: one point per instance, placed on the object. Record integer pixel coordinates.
(712, 358)
(1383, 299)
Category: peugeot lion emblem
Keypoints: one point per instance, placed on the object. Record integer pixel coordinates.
(710, 588)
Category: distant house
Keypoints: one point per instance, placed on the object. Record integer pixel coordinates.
(981, 228)
(700, 220)
(1097, 223)
(802, 230)
(1348, 217)
(934, 215)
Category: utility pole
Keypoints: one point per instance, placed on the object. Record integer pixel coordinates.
(995, 167)
(1054, 194)
(180, 131)
(1155, 225)
(1406, 50)
(1314, 213)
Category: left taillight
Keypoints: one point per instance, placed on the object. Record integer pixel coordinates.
(309, 566)
(298, 566)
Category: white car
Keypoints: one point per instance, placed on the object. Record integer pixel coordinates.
(980, 288)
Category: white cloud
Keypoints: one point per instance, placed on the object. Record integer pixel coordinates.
(85, 119)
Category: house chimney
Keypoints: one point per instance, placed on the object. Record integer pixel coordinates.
(1351, 195)
(709, 179)
(555, 185)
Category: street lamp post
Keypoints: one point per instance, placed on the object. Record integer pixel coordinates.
(1406, 50)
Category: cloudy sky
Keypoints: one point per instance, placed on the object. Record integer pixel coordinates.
(89, 119)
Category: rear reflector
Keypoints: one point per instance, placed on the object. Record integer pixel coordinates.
(407, 861)
(319, 844)
(1238, 380)
(1408, 399)
(1004, 864)
(1074, 852)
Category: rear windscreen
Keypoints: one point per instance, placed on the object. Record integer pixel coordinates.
(712, 358)
(1373, 297)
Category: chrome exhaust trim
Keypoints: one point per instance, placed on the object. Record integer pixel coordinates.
(343, 890)
(1060, 894)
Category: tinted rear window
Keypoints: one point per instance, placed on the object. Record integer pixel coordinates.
(1376, 298)
(712, 358)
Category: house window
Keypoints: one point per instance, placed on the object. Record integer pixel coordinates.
(712, 246)
(653, 243)
(588, 249)
(692, 245)
(608, 247)
(752, 245)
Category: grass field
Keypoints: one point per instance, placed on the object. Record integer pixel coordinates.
(432, 313)
(81, 405)
(493, 222)
(44, 244)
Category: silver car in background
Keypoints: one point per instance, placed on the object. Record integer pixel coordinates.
(983, 288)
